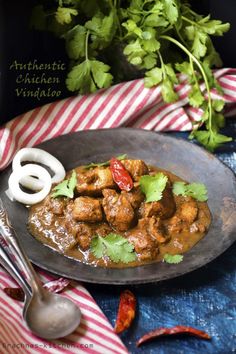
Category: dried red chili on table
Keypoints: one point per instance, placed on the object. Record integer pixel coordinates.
(126, 311)
(54, 286)
(120, 175)
(163, 331)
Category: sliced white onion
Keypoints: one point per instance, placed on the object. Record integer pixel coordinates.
(40, 156)
(29, 170)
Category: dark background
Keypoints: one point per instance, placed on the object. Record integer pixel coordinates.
(19, 43)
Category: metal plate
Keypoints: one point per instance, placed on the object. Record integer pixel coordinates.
(181, 157)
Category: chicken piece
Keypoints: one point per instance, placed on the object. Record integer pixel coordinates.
(144, 244)
(197, 227)
(57, 206)
(188, 211)
(84, 236)
(136, 168)
(92, 182)
(103, 230)
(154, 228)
(175, 225)
(164, 208)
(87, 209)
(135, 197)
(118, 210)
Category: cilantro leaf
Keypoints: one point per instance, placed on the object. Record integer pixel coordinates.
(171, 10)
(102, 29)
(116, 247)
(88, 76)
(153, 186)
(106, 163)
(197, 191)
(64, 14)
(66, 187)
(210, 139)
(173, 259)
(75, 42)
(179, 188)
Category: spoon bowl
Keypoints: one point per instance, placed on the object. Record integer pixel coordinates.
(52, 316)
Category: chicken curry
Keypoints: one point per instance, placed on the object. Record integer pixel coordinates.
(103, 209)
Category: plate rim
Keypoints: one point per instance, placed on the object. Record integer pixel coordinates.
(151, 279)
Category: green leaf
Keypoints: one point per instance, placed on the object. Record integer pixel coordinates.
(102, 78)
(171, 10)
(179, 188)
(66, 187)
(210, 139)
(75, 42)
(132, 28)
(153, 77)
(106, 163)
(173, 259)
(213, 27)
(153, 186)
(155, 20)
(116, 247)
(167, 90)
(97, 247)
(197, 191)
(64, 15)
(88, 76)
(149, 61)
(195, 96)
(102, 29)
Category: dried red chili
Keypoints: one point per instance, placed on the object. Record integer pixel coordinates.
(54, 286)
(120, 175)
(126, 311)
(163, 331)
(15, 293)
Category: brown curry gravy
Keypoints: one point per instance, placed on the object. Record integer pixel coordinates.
(48, 229)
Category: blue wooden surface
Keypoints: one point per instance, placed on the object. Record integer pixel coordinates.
(204, 299)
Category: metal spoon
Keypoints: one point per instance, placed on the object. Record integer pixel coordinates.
(14, 271)
(47, 315)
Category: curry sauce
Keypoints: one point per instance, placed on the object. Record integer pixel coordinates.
(171, 225)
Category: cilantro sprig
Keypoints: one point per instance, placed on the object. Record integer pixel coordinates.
(153, 186)
(66, 187)
(106, 163)
(173, 259)
(159, 37)
(197, 191)
(116, 247)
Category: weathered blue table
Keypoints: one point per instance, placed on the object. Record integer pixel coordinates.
(205, 299)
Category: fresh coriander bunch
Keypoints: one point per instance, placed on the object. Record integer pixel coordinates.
(159, 38)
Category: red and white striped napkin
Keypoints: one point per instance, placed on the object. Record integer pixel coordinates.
(128, 104)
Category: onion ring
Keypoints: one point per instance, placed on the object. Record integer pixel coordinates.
(29, 170)
(40, 156)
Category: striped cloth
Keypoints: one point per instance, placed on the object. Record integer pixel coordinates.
(128, 104)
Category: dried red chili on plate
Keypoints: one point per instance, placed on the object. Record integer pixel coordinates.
(163, 331)
(54, 286)
(126, 311)
(120, 175)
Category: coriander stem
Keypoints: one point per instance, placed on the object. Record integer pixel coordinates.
(195, 60)
(162, 64)
(189, 21)
(86, 45)
(194, 74)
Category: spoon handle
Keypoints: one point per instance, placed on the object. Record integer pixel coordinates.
(10, 237)
(13, 270)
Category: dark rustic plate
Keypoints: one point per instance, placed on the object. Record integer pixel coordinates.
(183, 158)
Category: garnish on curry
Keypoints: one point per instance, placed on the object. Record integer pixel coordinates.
(121, 213)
